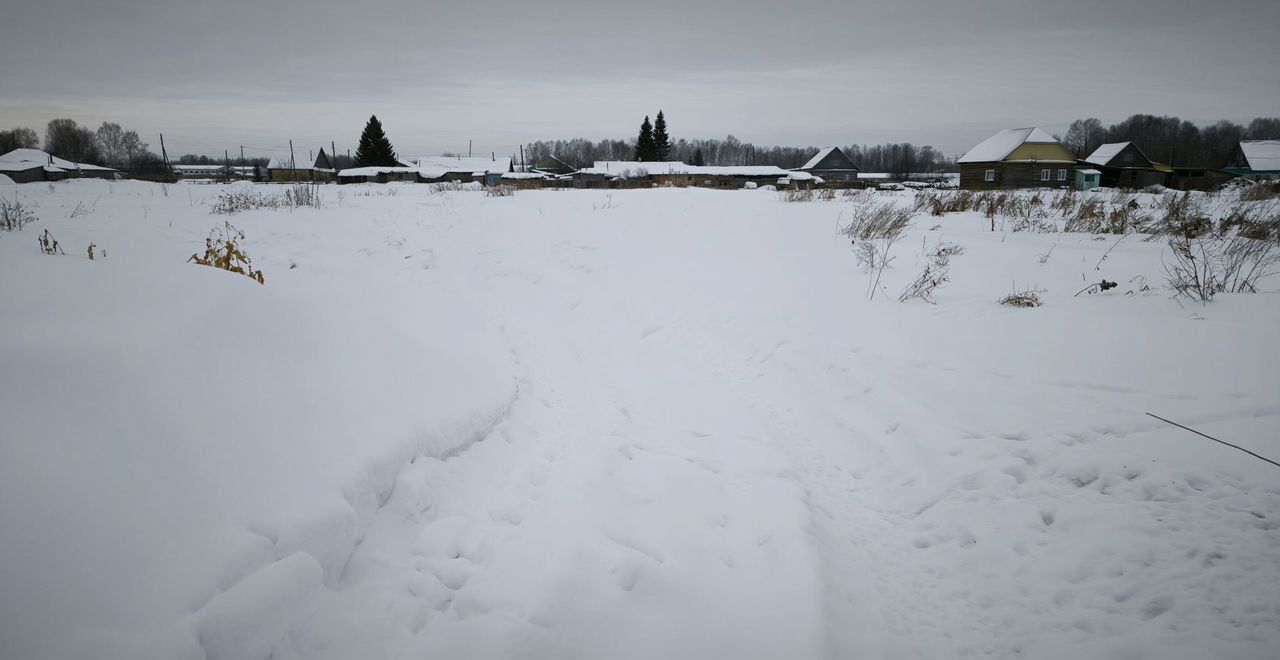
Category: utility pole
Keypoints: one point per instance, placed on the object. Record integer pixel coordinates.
(242, 155)
(522, 167)
(226, 163)
(165, 154)
(292, 164)
(333, 153)
(468, 148)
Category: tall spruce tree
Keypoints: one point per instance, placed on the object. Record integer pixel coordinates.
(661, 141)
(698, 159)
(375, 149)
(646, 150)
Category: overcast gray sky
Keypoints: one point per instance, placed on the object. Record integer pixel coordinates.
(218, 74)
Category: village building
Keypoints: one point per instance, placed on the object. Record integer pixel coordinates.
(1123, 165)
(1017, 158)
(460, 169)
(552, 165)
(30, 165)
(832, 166)
(214, 171)
(1256, 159)
(633, 174)
(286, 169)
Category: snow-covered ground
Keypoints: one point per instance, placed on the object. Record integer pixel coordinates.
(618, 424)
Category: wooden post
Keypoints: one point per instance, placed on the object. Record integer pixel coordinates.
(242, 155)
(291, 161)
(522, 166)
(468, 148)
(165, 155)
(333, 157)
(226, 163)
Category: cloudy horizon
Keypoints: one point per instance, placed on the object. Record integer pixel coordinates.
(230, 74)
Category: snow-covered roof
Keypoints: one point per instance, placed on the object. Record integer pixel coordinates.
(42, 157)
(523, 175)
(1089, 171)
(1261, 154)
(633, 168)
(19, 166)
(476, 166)
(999, 146)
(813, 162)
(375, 171)
(1103, 154)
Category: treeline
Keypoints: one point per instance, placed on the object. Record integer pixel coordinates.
(900, 158)
(110, 145)
(1170, 140)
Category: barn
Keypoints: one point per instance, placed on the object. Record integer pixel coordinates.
(23, 163)
(285, 169)
(1256, 159)
(1123, 165)
(1017, 158)
(832, 166)
(489, 171)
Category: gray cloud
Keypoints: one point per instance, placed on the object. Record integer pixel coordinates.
(214, 75)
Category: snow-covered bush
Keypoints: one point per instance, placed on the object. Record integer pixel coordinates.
(936, 273)
(1028, 298)
(873, 230)
(500, 191)
(1203, 267)
(222, 250)
(796, 195)
(238, 199)
(14, 214)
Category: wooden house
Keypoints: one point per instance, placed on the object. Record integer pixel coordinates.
(832, 166)
(552, 165)
(285, 169)
(1123, 165)
(1256, 159)
(1017, 158)
(24, 171)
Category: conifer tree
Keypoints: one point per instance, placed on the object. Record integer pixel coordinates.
(661, 141)
(375, 149)
(698, 159)
(645, 147)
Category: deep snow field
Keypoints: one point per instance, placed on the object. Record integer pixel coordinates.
(618, 424)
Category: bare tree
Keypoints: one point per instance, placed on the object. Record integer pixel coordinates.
(110, 138)
(18, 138)
(65, 139)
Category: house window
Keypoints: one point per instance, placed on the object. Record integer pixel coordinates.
(1062, 175)
(1045, 175)
(990, 176)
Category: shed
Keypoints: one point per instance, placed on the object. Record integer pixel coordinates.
(286, 168)
(1124, 165)
(1088, 179)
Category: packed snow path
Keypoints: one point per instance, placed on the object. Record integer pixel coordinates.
(700, 441)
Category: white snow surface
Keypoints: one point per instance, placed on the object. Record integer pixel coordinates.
(618, 424)
(1000, 145)
(1262, 154)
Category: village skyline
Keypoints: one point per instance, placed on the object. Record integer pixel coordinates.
(500, 75)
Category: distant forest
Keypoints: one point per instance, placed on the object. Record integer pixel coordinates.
(896, 158)
(1170, 140)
